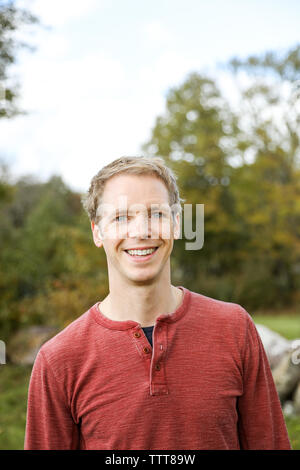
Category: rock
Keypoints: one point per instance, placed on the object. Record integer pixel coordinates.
(24, 345)
(275, 345)
(286, 376)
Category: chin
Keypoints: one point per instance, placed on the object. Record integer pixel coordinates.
(143, 278)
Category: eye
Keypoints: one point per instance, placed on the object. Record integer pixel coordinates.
(117, 219)
(157, 215)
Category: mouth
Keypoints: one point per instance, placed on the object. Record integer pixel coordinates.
(141, 255)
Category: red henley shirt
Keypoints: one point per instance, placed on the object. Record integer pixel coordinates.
(205, 384)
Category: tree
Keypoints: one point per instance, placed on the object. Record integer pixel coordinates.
(252, 213)
(12, 19)
(270, 134)
(48, 270)
(48, 274)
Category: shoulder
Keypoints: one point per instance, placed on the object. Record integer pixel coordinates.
(226, 321)
(72, 343)
(219, 310)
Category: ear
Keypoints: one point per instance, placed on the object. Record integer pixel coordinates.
(96, 234)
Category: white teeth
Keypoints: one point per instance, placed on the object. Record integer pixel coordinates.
(141, 252)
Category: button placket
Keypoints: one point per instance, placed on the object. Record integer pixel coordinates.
(158, 384)
(142, 344)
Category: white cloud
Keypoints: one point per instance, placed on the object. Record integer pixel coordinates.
(87, 111)
(59, 12)
(156, 32)
(88, 106)
(168, 69)
(76, 113)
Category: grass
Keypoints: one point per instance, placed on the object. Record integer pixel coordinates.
(14, 382)
(293, 427)
(287, 326)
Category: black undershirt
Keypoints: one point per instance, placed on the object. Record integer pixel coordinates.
(148, 332)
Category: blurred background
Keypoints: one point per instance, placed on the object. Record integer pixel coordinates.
(213, 88)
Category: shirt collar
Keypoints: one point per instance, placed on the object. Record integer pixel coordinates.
(127, 324)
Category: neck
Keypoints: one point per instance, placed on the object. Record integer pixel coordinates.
(142, 304)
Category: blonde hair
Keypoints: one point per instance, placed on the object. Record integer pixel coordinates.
(131, 165)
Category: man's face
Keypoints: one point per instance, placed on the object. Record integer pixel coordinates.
(135, 215)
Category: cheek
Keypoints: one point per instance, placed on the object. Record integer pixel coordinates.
(167, 231)
(113, 232)
(162, 229)
(110, 251)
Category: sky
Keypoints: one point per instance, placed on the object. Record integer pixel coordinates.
(101, 71)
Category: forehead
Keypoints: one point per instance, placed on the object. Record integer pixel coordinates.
(141, 189)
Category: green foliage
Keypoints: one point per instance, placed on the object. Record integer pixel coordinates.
(12, 20)
(286, 65)
(251, 252)
(50, 270)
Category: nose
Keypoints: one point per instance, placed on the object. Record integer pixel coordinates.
(139, 227)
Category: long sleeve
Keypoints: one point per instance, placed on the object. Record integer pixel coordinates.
(49, 424)
(261, 423)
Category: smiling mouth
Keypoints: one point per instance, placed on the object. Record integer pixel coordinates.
(142, 254)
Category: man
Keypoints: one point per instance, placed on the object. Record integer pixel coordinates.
(152, 366)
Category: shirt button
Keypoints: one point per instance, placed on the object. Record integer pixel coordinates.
(146, 350)
(137, 334)
(157, 366)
